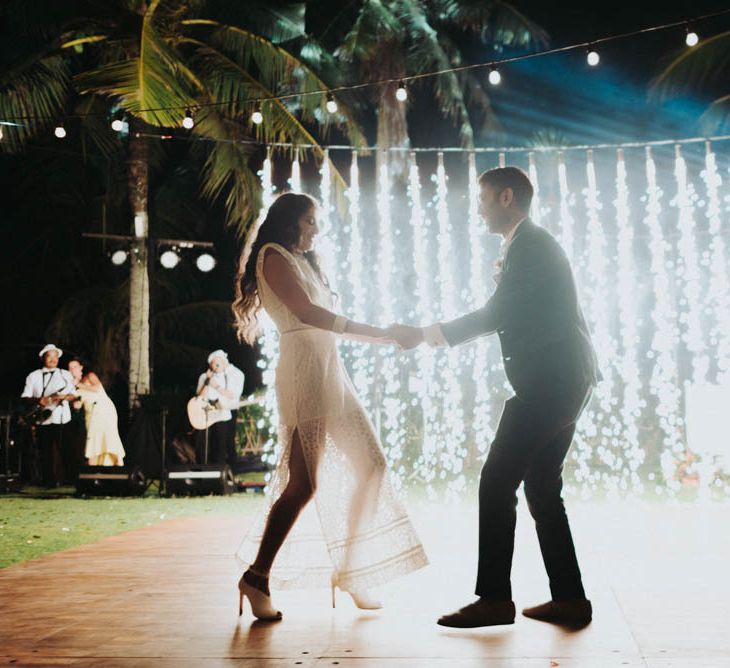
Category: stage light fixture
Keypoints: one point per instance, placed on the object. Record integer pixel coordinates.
(119, 257)
(205, 262)
(169, 259)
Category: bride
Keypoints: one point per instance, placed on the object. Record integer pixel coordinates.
(329, 449)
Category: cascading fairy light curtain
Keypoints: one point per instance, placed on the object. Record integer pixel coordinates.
(646, 232)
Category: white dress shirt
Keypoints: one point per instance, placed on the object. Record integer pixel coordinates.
(46, 382)
(232, 380)
(432, 334)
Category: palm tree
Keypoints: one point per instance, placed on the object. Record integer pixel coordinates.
(393, 39)
(701, 69)
(151, 61)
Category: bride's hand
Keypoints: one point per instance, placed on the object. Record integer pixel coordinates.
(405, 336)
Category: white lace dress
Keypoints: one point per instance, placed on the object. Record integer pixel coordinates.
(356, 524)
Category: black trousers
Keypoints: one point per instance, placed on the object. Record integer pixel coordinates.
(221, 443)
(50, 444)
(530, 446)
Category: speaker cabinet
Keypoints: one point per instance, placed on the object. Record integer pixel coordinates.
(111, 481)
(187, 480)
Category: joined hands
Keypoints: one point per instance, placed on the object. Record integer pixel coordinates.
(405, 336)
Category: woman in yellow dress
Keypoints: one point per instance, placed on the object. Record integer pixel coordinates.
(103, 445)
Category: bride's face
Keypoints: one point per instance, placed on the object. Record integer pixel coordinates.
(308, 229)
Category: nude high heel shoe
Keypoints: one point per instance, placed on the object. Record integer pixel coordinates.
(361, 599)
(261, 605)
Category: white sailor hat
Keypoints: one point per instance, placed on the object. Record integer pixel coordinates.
(48, 347)
(218, 353)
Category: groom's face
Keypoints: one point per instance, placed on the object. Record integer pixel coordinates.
(493, 208)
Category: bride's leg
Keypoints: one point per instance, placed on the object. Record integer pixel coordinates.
(369, 466)
(284, 512)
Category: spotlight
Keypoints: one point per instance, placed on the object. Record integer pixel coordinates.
(331, 103)
(401, 94)
(169, 259)
(593, 58)
(119, 257)
(494, 77)
(257, 117)
(205, 262)
(188, 121)
(60, 131)
(691, 38)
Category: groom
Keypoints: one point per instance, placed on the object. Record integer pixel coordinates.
(551, 365)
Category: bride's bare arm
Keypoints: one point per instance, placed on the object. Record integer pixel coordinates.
(283, 282)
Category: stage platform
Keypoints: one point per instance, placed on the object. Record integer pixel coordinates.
(166, 596)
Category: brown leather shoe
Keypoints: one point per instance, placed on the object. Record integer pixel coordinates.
(575, 613)
(482, 612)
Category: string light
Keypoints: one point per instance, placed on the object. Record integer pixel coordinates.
(592, 57)
(435, 73)
(257, 118)
(691, 38)
(494, 76)
(401, 94)
(331, 103)
(60, 132)
(188, 121)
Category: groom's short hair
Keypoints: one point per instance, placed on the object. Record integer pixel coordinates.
(510, 177)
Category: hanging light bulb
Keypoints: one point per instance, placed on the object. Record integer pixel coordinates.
(60, 131)
(257, 117)
(331, 103)
(494, 76)
(592, 57)
(117, 123)
(188, 121)
(691, 38)
(401, 94)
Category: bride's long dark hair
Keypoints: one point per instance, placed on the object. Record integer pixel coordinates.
(280, 226)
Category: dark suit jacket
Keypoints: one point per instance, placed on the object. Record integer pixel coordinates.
(546, 345)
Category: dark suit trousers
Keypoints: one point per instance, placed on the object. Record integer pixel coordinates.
(530, 445)
(221, 443)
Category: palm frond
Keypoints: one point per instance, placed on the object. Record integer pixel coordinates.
(428, 52)
(149, 85)
(34, 95)
(500, 23)
(695, 68)
(375, 23)
(716, 119)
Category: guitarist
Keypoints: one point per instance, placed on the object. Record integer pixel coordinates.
(221, 385)
(50, 389)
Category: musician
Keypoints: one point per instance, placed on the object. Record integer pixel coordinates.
(221, 385)
(51, 388)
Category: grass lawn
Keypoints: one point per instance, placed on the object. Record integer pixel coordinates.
(34, 525)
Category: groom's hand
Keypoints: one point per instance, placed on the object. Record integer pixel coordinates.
(405, 336)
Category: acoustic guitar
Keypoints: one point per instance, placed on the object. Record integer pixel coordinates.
(202, 412)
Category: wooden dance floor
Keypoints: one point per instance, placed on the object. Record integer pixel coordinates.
(165, 596)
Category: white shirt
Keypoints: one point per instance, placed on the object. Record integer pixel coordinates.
(46, 382)
(433, 335)
(231, 379)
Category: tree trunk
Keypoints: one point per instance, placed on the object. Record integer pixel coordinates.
(392, 132)
(139, 284)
